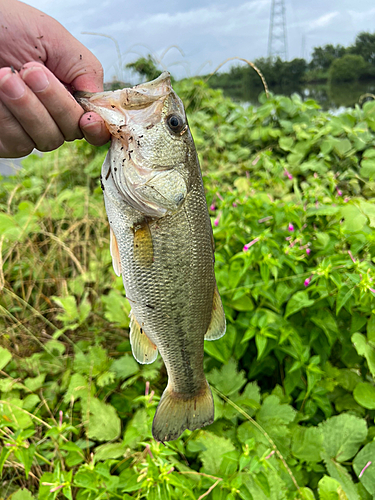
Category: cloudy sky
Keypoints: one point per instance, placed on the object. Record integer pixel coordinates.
(206, 31)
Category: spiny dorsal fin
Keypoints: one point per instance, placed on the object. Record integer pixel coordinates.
(143, 349)
(113, 247)
(216, 328)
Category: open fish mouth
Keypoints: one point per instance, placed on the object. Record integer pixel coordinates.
(137, 97)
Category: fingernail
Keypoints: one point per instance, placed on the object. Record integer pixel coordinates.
(36, 79)
(12, 86)
(93, 128)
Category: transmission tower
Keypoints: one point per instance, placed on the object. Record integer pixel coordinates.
(277, 43)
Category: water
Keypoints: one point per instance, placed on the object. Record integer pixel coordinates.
(330, 97)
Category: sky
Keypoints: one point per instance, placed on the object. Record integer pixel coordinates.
(202, 34)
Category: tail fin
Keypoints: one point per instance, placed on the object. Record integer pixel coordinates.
(177, 412)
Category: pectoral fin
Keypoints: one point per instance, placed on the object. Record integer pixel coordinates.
(143, 349)
(113, 247)
(143, 250)
(216, 328)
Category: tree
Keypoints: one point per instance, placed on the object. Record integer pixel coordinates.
(364, 46)
(322, 57)
(146, 67)
(347, 68)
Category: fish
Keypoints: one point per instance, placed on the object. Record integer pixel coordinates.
(162, 244)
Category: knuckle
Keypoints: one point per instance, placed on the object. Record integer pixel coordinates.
(16, 151)
(51, 144)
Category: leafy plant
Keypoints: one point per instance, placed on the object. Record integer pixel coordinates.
(290, 191)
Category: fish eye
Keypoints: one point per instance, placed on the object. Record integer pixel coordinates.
(175, 123)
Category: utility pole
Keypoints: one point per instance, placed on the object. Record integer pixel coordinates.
(277, 42)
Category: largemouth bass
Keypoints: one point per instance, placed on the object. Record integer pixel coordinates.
(161, 243)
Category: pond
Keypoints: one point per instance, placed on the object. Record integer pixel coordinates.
(330, 97)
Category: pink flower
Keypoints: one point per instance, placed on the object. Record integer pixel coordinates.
(216, 221)
(364, 468)
(288, 174)
(346, 200)
(290, 227)
(308, 251)
(250, 244)
(52, 490)
(351, 256)
(307, 281)
(316, 175)
(234, 204)
(212, 207)
(338, 191)
(372, 290)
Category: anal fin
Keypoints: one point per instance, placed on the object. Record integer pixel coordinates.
(143, 349)
(216, 328)
(115, 254)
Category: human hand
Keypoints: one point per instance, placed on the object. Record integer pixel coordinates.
(36, 107)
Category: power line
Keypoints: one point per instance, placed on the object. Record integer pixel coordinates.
(277, 41)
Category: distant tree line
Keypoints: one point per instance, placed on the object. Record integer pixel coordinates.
(330, 63)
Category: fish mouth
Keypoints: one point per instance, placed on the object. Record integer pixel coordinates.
(137, 97)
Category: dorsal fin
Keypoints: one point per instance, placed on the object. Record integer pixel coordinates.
(113, 247)
(216, 328)
(143, 349)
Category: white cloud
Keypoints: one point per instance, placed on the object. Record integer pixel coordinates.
(322, 21)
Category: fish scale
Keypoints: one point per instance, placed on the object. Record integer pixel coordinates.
(161, 242)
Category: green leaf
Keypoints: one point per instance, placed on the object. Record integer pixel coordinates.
(368, 168)
(371, 329)
(298, 301)
(44, 494)
(227, 379)
(30, 402)
(339, 473)
(307, 443)
(4, 454)
(26, 457)
(273, 413)
(104, 423)
(222, 349)
(286, 143)
(342, 147)
(33, 384)
(125, 367)
(330, 489)
(22, 494)
(13, 415)
(109, 450)
(366, 458)
(212, 448)
(354, 220)
(365, 349)
(364, 394)
(343, 436)
(78, 388)
(343, 296)
(5, 357)
(117, 308)
(325, 320)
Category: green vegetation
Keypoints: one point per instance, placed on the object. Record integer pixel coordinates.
(290, 190)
